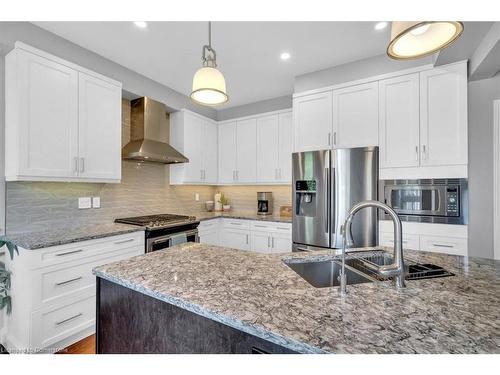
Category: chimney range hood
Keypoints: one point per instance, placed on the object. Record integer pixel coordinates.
(149, 126)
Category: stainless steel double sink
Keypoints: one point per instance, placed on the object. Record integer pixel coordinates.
(361, 267)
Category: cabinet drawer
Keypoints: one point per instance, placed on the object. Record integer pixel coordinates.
(446, 245)
(236, 223)
(56, 324)
(208, 225)
(80, 250)
(63, 281)
(410, 241)
(271, 226)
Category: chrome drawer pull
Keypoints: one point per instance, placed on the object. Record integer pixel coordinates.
(236, 223)
(440, 245)
(68, 319)
(69, 281)
(69, 253)
(259, 226)
(124, 241)
(283, 228)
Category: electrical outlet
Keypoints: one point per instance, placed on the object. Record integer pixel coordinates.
(84, 202)
(96, 202)
(196, 197)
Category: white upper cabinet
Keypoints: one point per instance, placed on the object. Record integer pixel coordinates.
(196, 138)
(268, 134)
(99, 122)
(274, 148)
(355, 116)
(209, 147)
(41, 118)
(399, 121)
(443, 115)
(285, 145)
(312, 116)
(246, 151)
(63, 122)
(227, 152)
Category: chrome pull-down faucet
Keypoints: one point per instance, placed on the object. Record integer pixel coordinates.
(397, 268)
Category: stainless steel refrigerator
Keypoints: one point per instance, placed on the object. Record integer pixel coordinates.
(326, 184)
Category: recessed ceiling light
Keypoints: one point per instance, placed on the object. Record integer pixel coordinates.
(284, 56)
(380, 25)
(141, 24)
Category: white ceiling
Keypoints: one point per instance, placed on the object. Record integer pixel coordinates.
(247, 52)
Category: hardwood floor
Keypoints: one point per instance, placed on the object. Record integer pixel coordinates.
(85, 346)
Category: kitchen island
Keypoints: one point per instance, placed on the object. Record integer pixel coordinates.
(194, 298)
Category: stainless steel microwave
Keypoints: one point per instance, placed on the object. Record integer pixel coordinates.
(428, 200)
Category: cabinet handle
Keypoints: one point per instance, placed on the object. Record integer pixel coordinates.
(268, 241)
(334, 138)
(201, 174)
(123, 241)
(247, 239)
(236, 223)
(69, 253)
(329, 139)
(204, 174)
(69, 281)
(281, 228)
(237, 175)
(272, 242)
(442, 245)
(416, 153)
(425, 153)
(69, 319)
(75, 162)
(82, 165)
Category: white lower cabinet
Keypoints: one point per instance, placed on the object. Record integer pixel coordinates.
(53, 291)
(259, 236)
(208, 231)
(438, 238)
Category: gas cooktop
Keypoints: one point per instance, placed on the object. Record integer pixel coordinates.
(160, 221)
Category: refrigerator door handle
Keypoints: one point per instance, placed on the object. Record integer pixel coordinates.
(333, 218)
(327, 193)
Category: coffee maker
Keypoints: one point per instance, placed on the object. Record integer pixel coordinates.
(264, 203)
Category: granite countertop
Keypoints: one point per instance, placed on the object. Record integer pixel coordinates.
(32, 240)
(245, 215)
(259, 294)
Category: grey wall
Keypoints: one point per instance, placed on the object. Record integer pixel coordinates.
(275, 104)
(353, 71)
(133, 82)
(481, 95)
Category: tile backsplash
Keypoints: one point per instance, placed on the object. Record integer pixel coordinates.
(144, 189)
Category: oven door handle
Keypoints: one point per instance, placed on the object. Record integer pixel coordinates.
(162, 240)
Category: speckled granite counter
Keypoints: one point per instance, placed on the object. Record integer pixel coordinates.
(260, 295)
(60, 236)
(203, 215)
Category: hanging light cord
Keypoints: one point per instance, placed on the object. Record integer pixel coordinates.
(208, 55)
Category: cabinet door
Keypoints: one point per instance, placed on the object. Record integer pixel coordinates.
(246, 151)
(281, 243)
(193, 133)
(355, 116)
(312, 116)
(227, 152)
(268, 148)
(261, 242)
(399, 121)
(99, 128)
(209, 151)
(209, 237)
(47, 111)
(235, 238)
(443, 115)
(285, 145)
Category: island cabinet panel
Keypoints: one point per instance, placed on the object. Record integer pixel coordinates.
(130, 322)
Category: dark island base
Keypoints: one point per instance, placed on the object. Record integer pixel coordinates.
(132, 322)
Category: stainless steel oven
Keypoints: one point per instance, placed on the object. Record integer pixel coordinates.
(428, 200)
(168, 240)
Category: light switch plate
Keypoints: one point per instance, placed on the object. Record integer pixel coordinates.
(96, 202)
(196, 197)
(84, 202)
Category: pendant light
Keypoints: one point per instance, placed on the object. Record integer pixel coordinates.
(411, 40)
(209, 85)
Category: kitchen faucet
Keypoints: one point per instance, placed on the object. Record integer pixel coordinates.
(397, 267)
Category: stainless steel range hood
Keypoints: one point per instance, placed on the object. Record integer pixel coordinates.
(149, 127)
